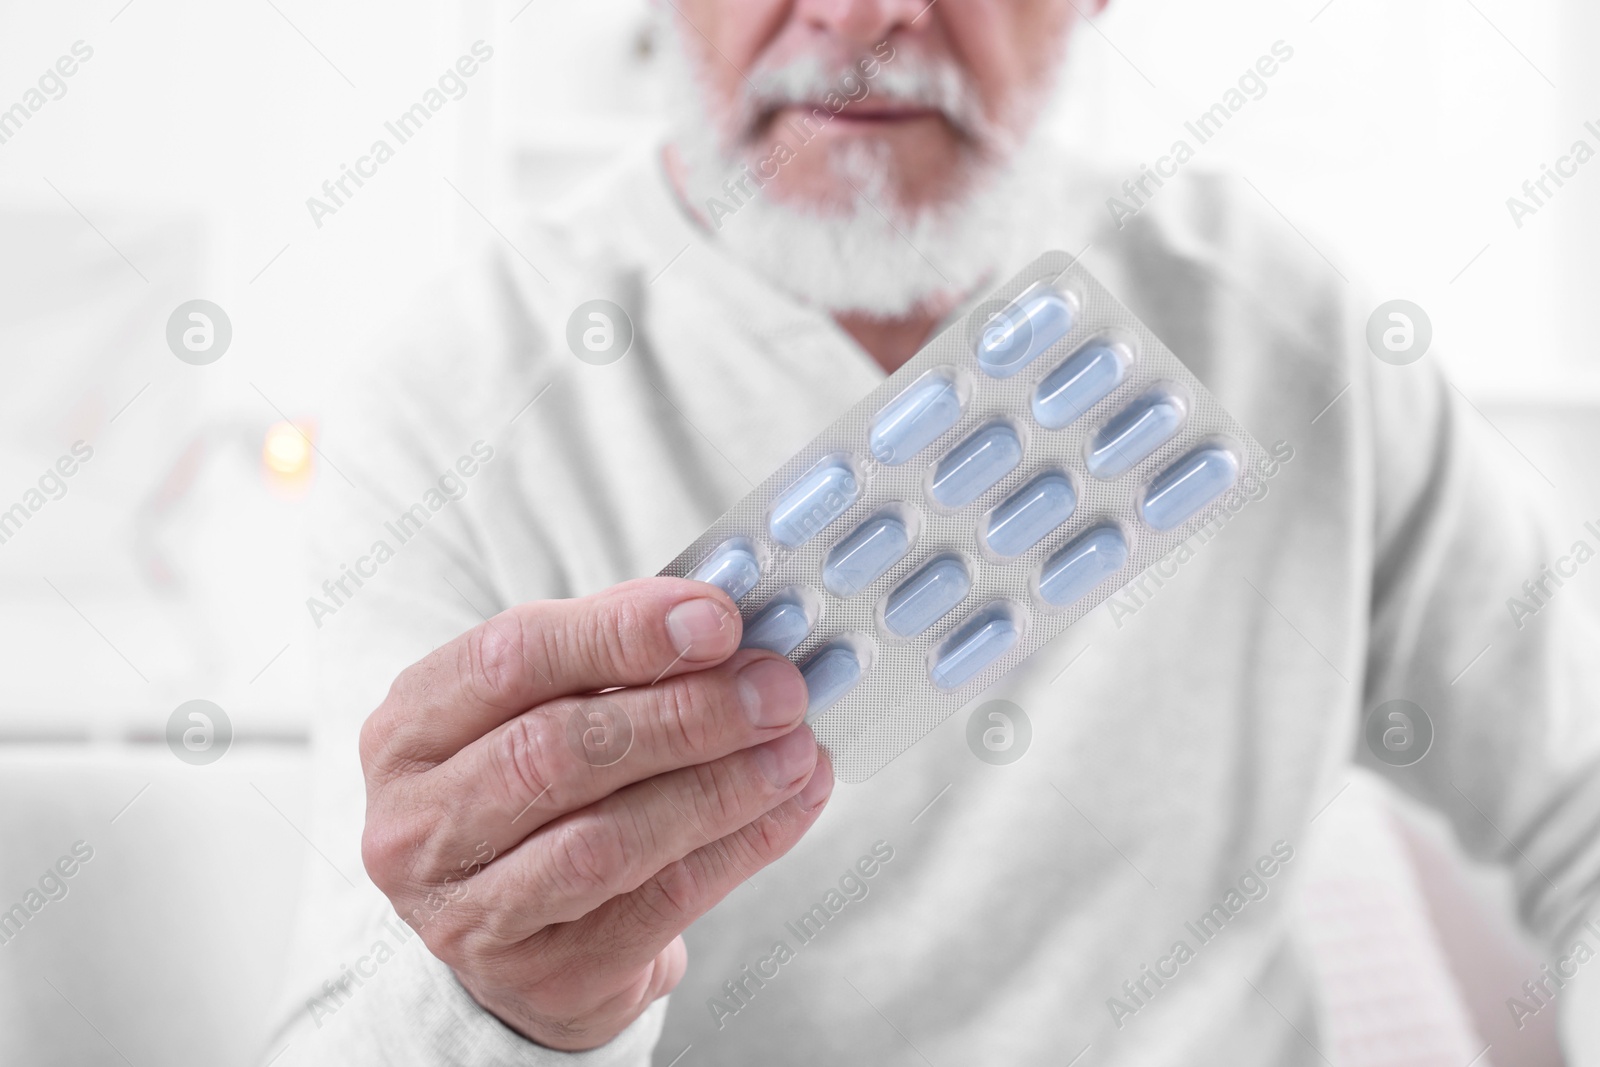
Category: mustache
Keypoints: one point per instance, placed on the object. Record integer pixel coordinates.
(908, 80)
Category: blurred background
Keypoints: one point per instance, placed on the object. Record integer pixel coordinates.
(175, 163)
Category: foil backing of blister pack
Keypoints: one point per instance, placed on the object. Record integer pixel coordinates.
(895, 702)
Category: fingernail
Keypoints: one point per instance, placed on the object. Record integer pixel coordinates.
(700, 629)
(784, 760)
(772, 693)
(817, 790)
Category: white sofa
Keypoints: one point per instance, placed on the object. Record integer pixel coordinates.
(168, 946)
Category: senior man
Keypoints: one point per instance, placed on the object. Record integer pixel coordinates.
(844, 178)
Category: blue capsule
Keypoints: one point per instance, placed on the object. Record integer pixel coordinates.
(926, 597)
(1019, 332)
(1086, 378)
(914, 420)
(1072, 574)
(820, 496)
(1133, 433)
(733, 568)
(1024, 518)
(990, 635)
(968, 470)
(1180, 491)
(780, 627)
(829, 675)
(864, 554)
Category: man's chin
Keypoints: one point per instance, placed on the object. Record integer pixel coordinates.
(853, 262)
(917, 137)
(853, 246)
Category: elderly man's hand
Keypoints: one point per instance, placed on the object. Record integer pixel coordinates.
(551, 839)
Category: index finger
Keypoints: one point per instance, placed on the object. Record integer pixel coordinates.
(635, 633)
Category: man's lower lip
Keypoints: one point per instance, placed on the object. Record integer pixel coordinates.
(847, 115)
(884, 117)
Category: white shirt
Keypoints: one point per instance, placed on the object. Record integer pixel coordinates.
(1180, 740)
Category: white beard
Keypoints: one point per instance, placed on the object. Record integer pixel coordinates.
(871, 256)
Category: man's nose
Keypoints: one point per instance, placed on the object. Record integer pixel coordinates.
(862, 22)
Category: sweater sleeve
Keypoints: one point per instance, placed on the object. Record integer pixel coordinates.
(413, 1013)
(411, 463)
(1475, 620)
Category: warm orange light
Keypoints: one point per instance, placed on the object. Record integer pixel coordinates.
(286, 450)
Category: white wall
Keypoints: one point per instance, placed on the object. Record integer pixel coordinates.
(1393, 139)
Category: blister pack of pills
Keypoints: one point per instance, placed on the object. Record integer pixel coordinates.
(1027, 463)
